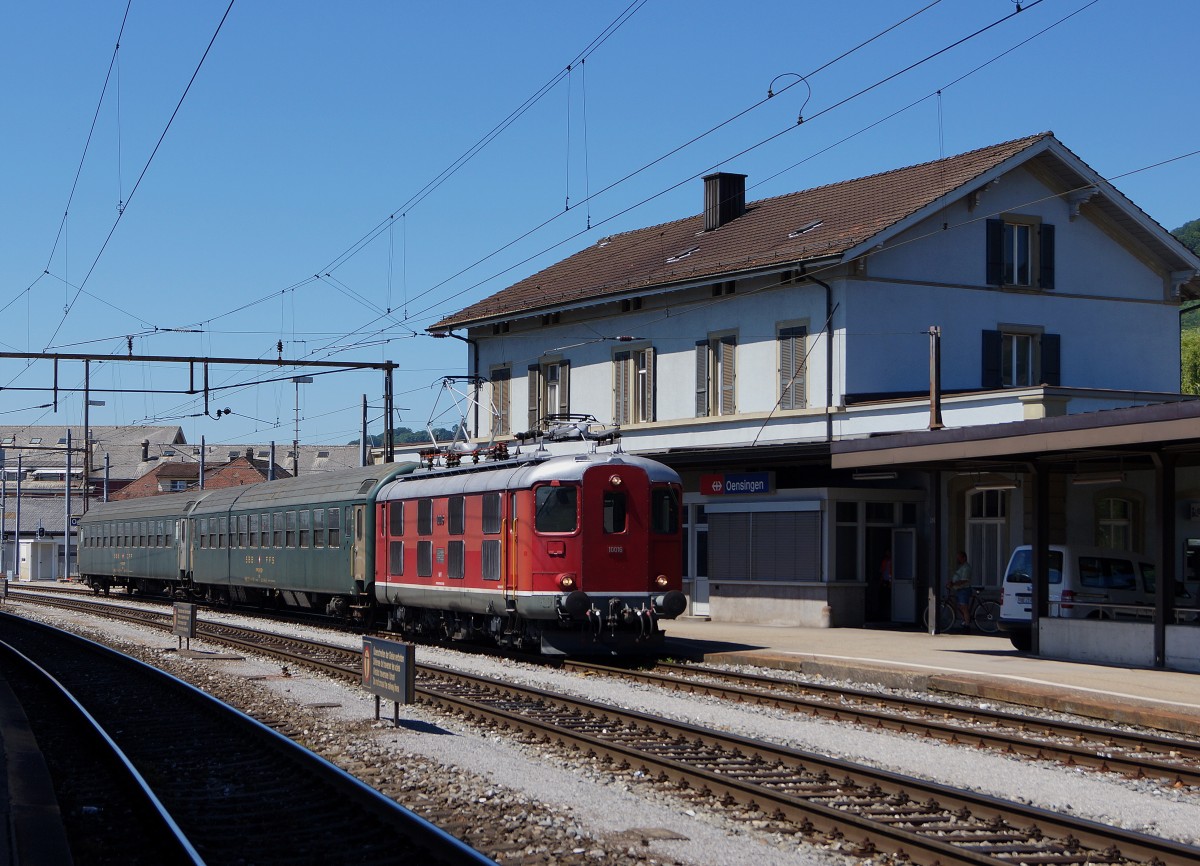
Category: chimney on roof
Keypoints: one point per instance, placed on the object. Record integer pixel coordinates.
(724, 198)
(145, 450)
(250, 454)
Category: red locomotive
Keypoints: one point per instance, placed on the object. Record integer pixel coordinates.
(569, 554)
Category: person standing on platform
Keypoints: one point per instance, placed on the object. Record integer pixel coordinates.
(960, 586)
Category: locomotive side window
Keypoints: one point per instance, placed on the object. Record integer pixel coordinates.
(306, 528)
(291, 529)
(277, 528)
(556, 509)
(254, 530)
(396, 521)
(424, 517)
(456, 559)
(396, 558)
(664, 511)
(456, 506)
(490, 559)
(424, 559)
(614, 511)
(492, 518)
(318, 527)
(335, 527)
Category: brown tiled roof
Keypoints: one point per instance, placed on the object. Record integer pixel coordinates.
(849, 213)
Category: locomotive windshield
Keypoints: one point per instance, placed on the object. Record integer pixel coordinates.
(664, 511)
(614, 511)
(556, 509)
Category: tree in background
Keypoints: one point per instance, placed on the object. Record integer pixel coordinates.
(1189, 234)
(1189, 335)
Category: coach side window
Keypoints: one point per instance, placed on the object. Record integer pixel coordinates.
(264, 538)
(277, 528)
(556, 509)
(253, 521)
(318, 527)
(243, 522)
(291, 529)
(306, 528)
(203, 532)
(335, 527)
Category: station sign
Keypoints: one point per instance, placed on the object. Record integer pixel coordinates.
(737, 484)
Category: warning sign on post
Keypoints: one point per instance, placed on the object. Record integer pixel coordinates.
(389, 669)
(183, 623)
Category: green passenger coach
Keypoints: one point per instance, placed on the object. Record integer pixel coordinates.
(305, 542)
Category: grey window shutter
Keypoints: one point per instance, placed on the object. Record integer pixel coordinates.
(991, 359)
(1051, 360)
(791, 368)
(650, 394)
(995, 252)
(535, 395)
(621, 388)
(701, 378)
(1046, 256)
(564, 388)
(728, 375)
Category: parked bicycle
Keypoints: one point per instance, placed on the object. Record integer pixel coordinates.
(982, 612)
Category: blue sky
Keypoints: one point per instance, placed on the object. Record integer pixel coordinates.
(312, 126)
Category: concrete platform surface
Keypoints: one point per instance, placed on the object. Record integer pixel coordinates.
(966, 664)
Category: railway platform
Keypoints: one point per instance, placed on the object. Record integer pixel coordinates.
(978, 666)
(31, 828)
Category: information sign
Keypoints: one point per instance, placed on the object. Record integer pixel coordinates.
(389, 669)
(183, 623)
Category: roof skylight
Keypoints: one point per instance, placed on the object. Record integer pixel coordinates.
(807, 227)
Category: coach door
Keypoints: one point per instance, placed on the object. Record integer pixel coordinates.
(358, 554)
(182, 549)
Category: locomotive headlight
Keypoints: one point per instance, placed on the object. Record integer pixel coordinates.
(661, 581)
(566, 582)
(615, 481)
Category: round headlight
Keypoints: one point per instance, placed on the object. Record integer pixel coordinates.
(661, 580)
(566, 582)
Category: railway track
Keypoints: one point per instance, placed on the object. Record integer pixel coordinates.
(792, 791)
(1140, 755)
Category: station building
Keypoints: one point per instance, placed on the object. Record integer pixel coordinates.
(743, 344)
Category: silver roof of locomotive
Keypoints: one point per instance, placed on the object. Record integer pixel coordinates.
(520, 474)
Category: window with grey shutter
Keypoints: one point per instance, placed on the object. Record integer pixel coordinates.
(702, 350)
(501, 378)
(564, 388)
(534, 383)
(621, 413)
(728, 375)
(792, 367)
(643, 384)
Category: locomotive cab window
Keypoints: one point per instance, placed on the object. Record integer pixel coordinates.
(557, 509)
(614, 511)
(664, 511)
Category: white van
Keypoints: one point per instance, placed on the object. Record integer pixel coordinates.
(1084, 583)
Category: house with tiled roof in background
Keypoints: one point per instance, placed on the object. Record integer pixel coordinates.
(1008, 283)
